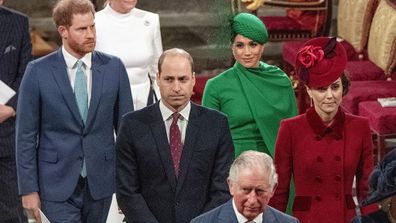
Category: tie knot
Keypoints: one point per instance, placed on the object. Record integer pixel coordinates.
(79, 64)
(175, 117)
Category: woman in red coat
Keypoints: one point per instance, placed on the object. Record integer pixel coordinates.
(325, 148)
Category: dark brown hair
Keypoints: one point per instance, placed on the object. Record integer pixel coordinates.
(346, 83)
(64, 10)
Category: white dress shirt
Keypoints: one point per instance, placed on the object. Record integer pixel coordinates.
(182, 122)
(72, 68)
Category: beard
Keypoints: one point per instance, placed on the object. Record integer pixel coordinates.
(82, 48)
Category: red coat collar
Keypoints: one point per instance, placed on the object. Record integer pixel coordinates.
(320, 129)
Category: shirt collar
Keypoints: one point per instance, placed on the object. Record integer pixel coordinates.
(71, 60)
(167, 113)
(243, 219)
(335, 129)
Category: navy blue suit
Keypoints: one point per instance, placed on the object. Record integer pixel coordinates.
(147, 188)
(52, 139)
(15, 53)
(225, 214)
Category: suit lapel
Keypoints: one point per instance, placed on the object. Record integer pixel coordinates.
(60, 75)
(159, 132)
(189, 145)
(227, 213)
(269, 216)
(96, 91)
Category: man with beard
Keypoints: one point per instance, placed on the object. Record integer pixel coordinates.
(69, 106)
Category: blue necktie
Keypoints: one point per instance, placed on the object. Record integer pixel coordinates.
(80, 90)
(81, 94)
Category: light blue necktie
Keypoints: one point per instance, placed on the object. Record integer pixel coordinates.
(81, 94)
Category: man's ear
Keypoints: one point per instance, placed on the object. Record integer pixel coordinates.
(62, 30)
(273, 189)
(230, 186)
(157, 77)
(193, 78)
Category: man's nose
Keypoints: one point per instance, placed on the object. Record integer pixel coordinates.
(176, 86)
(252, 197)
(91, 32)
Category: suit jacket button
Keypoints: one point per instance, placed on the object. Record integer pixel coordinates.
(318, 179)
(337, 178)
(318, 198)
(319, 159)
(337, 158)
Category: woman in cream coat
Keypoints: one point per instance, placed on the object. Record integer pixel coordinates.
(133, 35)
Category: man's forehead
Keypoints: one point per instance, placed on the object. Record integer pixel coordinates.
(77, 16)
(175, 75)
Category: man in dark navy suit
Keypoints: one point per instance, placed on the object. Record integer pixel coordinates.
(173, 156)
(15, 53)
(252, 181)
(70, 104)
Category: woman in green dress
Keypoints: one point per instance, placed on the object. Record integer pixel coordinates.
(255, 96)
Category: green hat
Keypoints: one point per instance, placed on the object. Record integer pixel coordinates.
(249, 26)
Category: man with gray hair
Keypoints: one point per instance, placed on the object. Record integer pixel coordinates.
(252, 181)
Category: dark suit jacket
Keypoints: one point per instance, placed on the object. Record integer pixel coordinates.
(15, 53)
(225, 214)
(51, 136)
(147, 189)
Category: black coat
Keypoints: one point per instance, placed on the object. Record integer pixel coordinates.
(15, 53)
(147, 188)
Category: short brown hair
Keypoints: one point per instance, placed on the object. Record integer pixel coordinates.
(174, 52)
(64, 10)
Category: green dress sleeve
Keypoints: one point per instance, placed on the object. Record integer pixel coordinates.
(210, 96)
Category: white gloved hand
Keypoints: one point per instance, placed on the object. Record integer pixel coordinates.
(254, 4)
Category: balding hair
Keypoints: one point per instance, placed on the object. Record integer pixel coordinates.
(172, 53)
